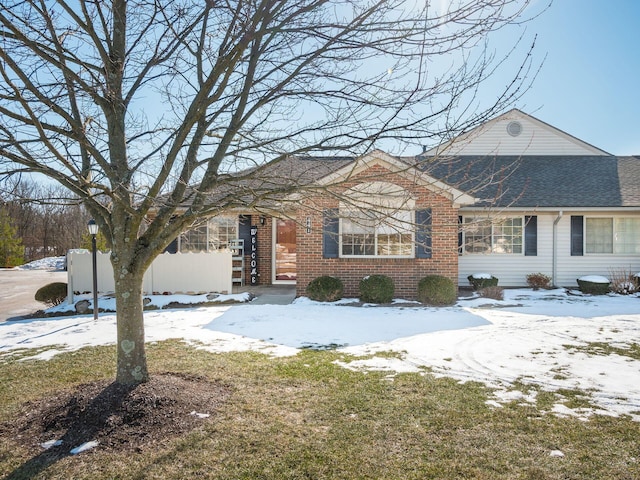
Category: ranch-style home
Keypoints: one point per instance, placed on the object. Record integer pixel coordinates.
(513, 196)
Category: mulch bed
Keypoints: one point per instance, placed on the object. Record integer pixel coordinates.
(118, 417)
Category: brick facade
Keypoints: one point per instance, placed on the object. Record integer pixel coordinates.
(406, 272)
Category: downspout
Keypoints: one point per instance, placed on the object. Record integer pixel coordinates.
(554, 260)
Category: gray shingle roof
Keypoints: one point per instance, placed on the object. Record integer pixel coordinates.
(499, 181)
(543, 181)
(563, 181)
(267, 185)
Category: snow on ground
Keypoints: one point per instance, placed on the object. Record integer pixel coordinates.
(49, 263)
(545, 339)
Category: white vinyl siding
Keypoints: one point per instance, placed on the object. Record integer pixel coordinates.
(512, 271)
(572, 267)
(536, 138)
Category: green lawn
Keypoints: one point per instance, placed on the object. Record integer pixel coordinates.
(304, 417)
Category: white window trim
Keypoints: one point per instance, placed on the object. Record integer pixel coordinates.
(411, 230)
(613, 233)
(208, 243)
(378, 195)
(491, 246)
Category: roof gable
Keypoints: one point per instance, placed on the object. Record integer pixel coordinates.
(398, 167)
(515, 133)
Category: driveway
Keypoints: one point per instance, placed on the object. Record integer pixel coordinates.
(18, 287)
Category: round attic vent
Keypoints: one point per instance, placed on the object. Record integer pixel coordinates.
(514, 128)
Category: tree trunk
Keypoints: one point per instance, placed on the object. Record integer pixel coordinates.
(132, 360)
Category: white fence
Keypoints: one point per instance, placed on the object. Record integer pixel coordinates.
(169, 273)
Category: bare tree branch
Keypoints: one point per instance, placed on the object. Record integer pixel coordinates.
(159, 114)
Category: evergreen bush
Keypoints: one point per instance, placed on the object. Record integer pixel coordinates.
(376, 289)
(52, 294)
(594, 285)
(325, 289)
(437, 290)
(11, 248)
(480, 280)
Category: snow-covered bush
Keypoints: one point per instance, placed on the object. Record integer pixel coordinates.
(377, 289)
(325, 289)
(594, 284)
(482, 280)
(538, 281)
(437, 290)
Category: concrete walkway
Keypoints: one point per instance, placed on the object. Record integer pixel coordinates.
(269, 294)
(18, 288)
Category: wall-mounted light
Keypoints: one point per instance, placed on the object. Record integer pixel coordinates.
(262, 219)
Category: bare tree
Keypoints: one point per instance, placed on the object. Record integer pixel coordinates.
(145, 106)
(48, 219)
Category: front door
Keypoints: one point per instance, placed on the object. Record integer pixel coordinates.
(285, 251)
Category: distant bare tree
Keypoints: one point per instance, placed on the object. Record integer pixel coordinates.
(144, 106)
(48, 219)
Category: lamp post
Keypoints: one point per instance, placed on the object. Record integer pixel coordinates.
(93, 231)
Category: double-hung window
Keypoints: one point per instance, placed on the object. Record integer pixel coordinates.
(612, 235)
(505, 235)
(221, 231)
(377, 220)
(376, 233)
(212, 236)
(194, 240)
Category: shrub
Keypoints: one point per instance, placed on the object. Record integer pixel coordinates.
(623, 281)
(52, 294)
(376, 289)
(325, 289)
(496, 293)
(437, 290)
(482, 280)
(594, 285)
(538, 281)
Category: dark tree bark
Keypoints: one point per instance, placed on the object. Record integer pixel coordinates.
(144, 109)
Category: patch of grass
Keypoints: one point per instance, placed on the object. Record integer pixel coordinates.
(574, 398)
(306, 417)
(601, 348)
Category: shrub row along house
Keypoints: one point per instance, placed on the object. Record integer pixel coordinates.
(512, 197)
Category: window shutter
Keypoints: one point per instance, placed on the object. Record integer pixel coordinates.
(172, 247)
(423, 233)
(531, 236)
(244, 231)
(330, 233)
(460, 239)
(577, 235)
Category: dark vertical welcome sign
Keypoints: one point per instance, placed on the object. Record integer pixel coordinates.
(254, 255)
